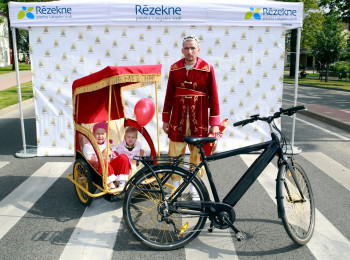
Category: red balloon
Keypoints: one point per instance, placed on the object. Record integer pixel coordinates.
(144, 111)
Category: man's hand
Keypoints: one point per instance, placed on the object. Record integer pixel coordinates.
(166, 127)
(214, 130)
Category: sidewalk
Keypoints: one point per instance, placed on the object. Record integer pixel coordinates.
(337, 117)
(8, 80)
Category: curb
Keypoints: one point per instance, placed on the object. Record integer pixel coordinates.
(330, 88)
(329, 120)
(11, 108)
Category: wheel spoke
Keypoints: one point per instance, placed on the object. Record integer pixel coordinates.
(299, 214)
(153, 221)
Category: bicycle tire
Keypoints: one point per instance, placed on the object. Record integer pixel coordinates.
(83, 176)
(298, 216)
(142, 210)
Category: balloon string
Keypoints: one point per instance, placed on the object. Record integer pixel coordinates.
(142, 139)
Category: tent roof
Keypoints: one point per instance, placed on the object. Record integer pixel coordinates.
(112, 75)
(157, 13)
(91, 93)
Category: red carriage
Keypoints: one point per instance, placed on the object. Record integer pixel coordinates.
(98, 98)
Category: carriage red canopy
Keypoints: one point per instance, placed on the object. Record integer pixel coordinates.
(91, 93)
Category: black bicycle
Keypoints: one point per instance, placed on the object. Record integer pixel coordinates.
(164, 217)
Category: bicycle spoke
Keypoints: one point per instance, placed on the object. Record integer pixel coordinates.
(299, 213)
(154, 221)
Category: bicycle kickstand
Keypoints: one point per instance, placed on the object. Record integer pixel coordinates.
(239, 234)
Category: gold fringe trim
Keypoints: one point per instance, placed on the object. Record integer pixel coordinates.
(176, 68)
(118, 79)
(139, 79)
(205, 69)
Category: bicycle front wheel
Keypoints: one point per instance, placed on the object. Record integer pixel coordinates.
(298, 214)
(150, 216)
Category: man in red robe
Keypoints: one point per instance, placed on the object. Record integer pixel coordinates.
(191, 92)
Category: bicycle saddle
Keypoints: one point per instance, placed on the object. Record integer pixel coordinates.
(199, 140)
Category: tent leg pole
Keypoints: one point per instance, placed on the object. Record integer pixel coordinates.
(19, 88)
(296, 81)
(157, 118)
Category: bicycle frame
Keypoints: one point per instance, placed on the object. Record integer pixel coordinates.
(271, 148)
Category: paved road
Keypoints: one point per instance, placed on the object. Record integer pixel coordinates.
(332, 106)
(320, 96)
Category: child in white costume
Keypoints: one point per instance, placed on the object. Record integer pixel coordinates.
(118, 166)
(130, 146)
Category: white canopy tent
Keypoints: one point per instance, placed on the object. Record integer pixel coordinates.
(68, 40)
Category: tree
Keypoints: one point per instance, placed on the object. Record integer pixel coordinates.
(339, 8)
(329, 43)
(23, 42)
(22, 35)
(312, 23)
(292, 36)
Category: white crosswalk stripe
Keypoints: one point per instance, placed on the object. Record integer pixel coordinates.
(327, 242)
(218, 245)
(220, 242)
(2, 164)
(94, 236)
(329, 166)
(18, 202)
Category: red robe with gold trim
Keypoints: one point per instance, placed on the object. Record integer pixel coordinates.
(191, 94)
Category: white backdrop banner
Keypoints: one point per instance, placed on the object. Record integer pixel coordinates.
(157, 12)
(248, 63)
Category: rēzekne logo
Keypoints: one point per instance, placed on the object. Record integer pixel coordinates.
(271, 13)
(26, 12)
(253, 13)
(45, 12)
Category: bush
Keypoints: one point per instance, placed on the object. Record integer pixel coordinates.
(341, 67)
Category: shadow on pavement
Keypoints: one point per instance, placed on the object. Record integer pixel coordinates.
(11, 135)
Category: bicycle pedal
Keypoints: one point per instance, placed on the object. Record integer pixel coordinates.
(239, 236)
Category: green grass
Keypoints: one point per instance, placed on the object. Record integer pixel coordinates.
(313, 74)
(9, 96)
(22, 66)
(338, 84)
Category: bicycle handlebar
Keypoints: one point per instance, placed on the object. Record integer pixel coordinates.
(243, 122)
(289, 111)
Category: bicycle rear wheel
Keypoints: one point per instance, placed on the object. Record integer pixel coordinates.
(298, 215)
(152, 220)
